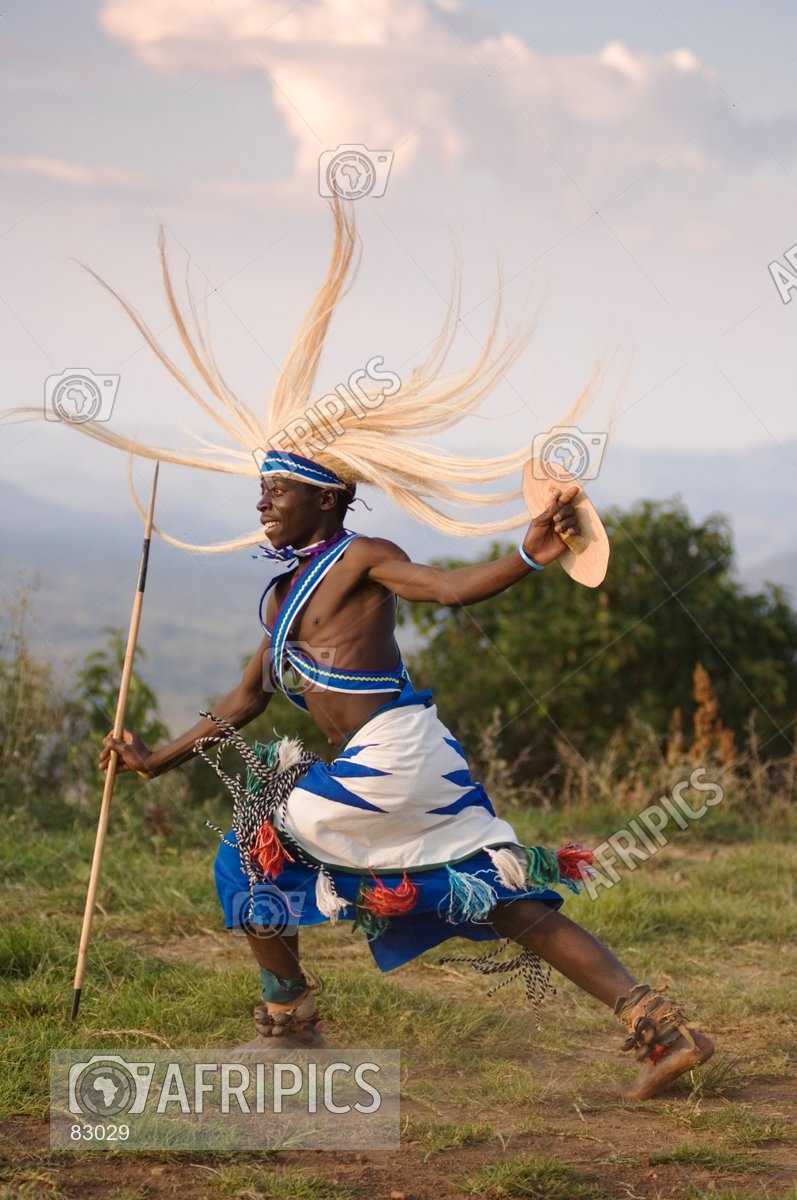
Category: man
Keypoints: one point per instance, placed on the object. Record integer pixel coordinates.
(394, 831)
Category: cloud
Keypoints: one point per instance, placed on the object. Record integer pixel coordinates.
(175, 33)
(448, 94)
(70, 172)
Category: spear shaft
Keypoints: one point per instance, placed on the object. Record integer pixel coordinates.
(110, 775)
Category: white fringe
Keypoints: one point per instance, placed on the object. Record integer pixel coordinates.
(327, 899)
(511, 871)
(289, 753)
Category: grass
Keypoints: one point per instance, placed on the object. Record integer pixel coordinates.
(435, 1137)
(31, 1185)
(253, 1183)
(693, 1193)
(707, 1159)
(162, 973)
(739, 1124)
(723, 1074)
(528, 1178)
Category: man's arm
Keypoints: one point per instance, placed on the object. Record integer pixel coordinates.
(543, 542)
(240, 706)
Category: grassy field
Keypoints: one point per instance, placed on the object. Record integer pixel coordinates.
(491, 1106)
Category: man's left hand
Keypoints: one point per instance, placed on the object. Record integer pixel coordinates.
(544, 537)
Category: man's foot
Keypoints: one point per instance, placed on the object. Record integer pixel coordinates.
(663, 1039)
(295, 1026)
(657, 1074)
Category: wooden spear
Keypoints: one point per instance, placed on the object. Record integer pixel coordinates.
(110, 775)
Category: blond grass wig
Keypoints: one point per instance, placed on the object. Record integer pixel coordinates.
(373, 439)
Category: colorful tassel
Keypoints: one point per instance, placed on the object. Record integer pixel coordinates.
(470, 898)
(543, 866)
(265, 754)
(371, 925)
(268, 852)
(509, 868)
(366, 921)
(383, 901)
(327, 899)
(571, 857)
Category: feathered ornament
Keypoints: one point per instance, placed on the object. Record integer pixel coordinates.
(368, 433)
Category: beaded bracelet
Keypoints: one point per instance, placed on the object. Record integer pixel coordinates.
(527, 560)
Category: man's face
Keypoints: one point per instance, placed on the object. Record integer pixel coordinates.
(290, 511)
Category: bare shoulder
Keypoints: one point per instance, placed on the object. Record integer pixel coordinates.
(367, 552)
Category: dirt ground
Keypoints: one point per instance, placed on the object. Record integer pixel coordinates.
(610, 1146)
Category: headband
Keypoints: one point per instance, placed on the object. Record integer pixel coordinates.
(281, 462)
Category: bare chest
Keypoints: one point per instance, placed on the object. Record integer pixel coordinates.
(341, 612)
(334, 602)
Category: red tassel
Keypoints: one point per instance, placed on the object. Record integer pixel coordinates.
(268, 852)
(390, 902)
(570, 857)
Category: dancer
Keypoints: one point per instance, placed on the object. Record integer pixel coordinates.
(394, 832)
(364, 836)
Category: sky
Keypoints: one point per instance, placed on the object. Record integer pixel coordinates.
(631, 166)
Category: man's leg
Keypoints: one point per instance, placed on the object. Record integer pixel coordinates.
(289, 1012)
(667, 1044)
(276, 951)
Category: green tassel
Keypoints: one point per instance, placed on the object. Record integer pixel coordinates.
(267, 753)
(543, 865)
(366, 921)
(370, 924)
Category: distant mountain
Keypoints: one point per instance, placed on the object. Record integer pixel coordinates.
(200, 614)
(756, 488)
(199, 617)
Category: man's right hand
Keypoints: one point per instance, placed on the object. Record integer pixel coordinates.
(133, 754)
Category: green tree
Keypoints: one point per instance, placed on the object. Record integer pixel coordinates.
(43, 730)
(98, 681)
(559, 660)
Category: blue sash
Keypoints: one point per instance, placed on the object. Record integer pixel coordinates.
(284, 655)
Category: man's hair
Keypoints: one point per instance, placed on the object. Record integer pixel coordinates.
(344, 500)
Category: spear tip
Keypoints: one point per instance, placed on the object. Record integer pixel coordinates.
(75, 1005)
